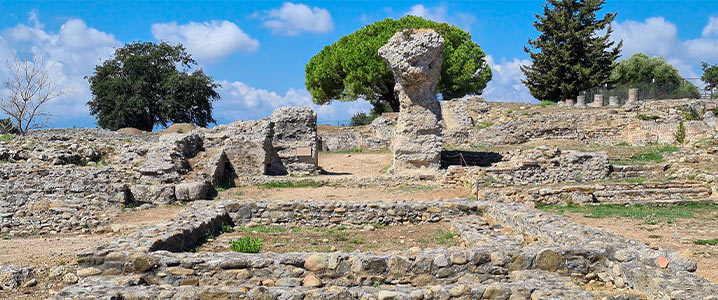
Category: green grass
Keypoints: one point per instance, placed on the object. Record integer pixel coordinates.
(483, 125)
(654, 155)
(6, 137)
(416, 188)
(101, 163)
(647, 117)
(246, 244)
(357, 241)
(547, 103)
(352, 150)
(263, 229)
(649, 214)
(290, 184)
(482, 147)
(128, 140)
(445, 237)
(227, 229)
(378, 226)
(711, 242)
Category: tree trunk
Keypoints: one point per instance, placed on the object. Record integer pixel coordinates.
(392, 100)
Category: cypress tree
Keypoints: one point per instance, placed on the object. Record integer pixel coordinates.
(572, 55)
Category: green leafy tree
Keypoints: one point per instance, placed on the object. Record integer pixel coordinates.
(571, 55)
(710, 77)
(351, 68)
(653, 73)
(147, 84)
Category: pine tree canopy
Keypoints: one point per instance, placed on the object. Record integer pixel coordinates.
(572, 53)
(351, 68)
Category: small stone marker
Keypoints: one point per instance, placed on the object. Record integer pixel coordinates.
(662, 262)
(304, 151)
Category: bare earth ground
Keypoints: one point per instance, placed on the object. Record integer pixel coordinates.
(345, 165)
(678, 235)
(315, 239)
(45, 252)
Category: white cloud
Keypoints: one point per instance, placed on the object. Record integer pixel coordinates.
(505, 84)
(654, 36)
(658, 37)
(440, 13)
(712, 28)
(293, 19)
(437, 13)
(243, 102)
(71, 53)
(208, 40)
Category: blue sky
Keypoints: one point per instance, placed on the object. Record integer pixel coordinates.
(257, 49)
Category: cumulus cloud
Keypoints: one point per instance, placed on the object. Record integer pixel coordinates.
(293, 19)
(506, 85)
(437, 13)
(440, 13)
(71, 54)
(712, 28)
(208, 40)
(244, 102)
(658, 37)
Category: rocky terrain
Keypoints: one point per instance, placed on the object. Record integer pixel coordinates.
(452, 199)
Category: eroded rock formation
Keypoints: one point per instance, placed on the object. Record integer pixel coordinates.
(415, 58)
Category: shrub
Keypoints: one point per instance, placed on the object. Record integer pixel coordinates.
(681, 133)
(360, 119)
(691, 114)
(6, 137)
(246, 244)
(646, 118)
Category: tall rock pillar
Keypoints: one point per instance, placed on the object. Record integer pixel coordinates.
(415, 58)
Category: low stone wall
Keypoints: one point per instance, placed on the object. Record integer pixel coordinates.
(623, 193)
(661, 273)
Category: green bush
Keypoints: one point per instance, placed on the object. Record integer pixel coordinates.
(246, 244)
(361, 118)
(681, 133)
(646, 118)
(691, 114)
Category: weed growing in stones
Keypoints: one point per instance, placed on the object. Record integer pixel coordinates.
(648, 214)
(482, 147)
(647, 117)
(691, 114)
(246, 244)
(227, 229)
(128, 140)
(378, 226)
(290, 184)
(711, 242)
(6, 137)
(357, 241)
(681, 133)
(445, 237)
(483, 125)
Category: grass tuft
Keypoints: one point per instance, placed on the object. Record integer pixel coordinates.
(290, 184)
(246, 244)
(711, 242)
(647, 117)
(483, 125)
(263, 229)
(6, 137)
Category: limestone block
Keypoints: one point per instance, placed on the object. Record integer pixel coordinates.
(295, 129)
(190, 191)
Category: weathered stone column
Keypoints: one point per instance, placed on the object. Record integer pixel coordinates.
(597, 100)
(580, 101)
(614, 101)
(415, 58)
(632, 95)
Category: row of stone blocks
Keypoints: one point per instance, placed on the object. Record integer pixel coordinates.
(489, 266)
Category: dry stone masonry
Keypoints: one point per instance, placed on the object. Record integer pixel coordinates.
(415, 58)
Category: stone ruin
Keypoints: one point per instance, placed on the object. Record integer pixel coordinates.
(415, 58)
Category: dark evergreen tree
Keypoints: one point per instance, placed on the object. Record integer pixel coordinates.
(148, 84)
(572, 56)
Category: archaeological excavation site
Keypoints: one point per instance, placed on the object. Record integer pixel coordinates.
(601, 197)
